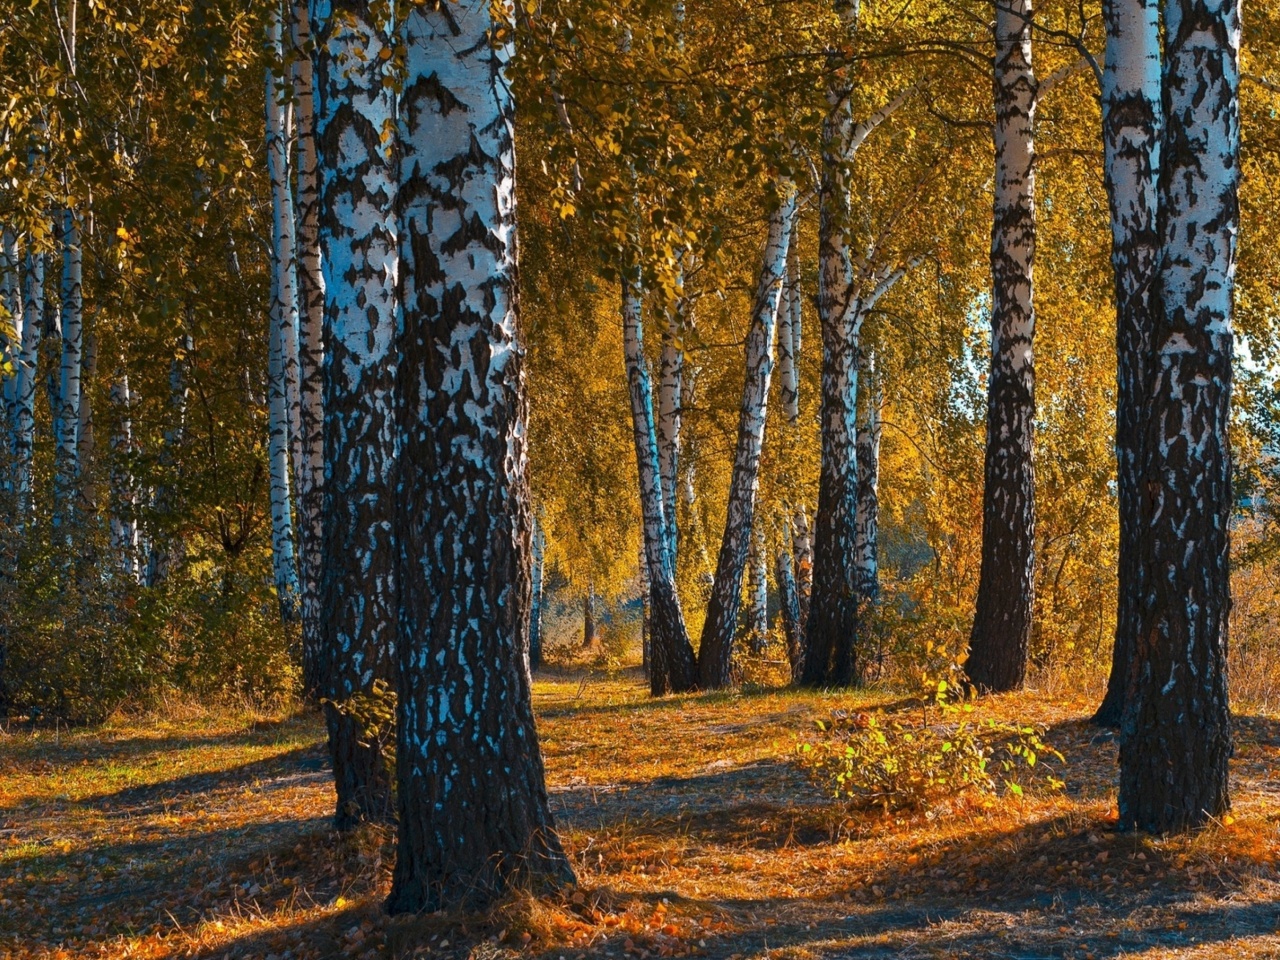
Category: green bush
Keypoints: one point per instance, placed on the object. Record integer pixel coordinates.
(876, 762)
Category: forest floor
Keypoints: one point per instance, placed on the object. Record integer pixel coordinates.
(205, 835)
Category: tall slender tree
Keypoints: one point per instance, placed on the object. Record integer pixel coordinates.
(474, 816)
(124, 505)
(849, 286)
(24, 425)
(715, 658)
(282, 340)
(1006, 584)
(1175, 736)
(68, 412)
(672, 666)
(866, 545)
(358, 234)
(310, 479)
(1132, 125)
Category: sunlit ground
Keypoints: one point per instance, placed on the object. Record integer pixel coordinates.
(206, 835)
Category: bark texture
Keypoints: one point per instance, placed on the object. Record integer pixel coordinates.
(67, 421)
(358, 241)
(310, 479)
(24, 420)
(474, 816)
(1175, 736)
(867, 545)
(788, 600)
(281, 341)
(1006, 583)
(715, 657)
(1132, 125)
(672, 667)
(124, 494)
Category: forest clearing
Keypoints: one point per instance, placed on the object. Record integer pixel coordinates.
(821, 501)
(691, 829)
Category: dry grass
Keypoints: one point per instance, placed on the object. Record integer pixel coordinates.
(691, 831)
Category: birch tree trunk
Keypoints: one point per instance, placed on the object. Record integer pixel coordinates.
(670, 389)
(1175, 736)
(124, 522)
(788, 599)
(535, 604)
(866, 545)
(165, 549)
(282, 340)
(358, 241)
(25, 405)
(1132, 124)
(310, 479)
(1006, 584)
(673, 667)
(86, 440)
(67, 420)
(715, 660)
(11, 292)
(802, 549)
(474, 816)
(832, 617)
(789, 337)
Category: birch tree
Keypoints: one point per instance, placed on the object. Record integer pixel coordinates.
(789, 338)
(358, 234)
(1132, 125)
(673, 667)
(25, 403)
(866, 543)
(1006, 585)
(788, 598)
(474, 816)
(67, 421)
(282, 412)
(124, 522)
(310, 279)
(715, 661)
(11, 294)
(849, 286)
(1175, 735)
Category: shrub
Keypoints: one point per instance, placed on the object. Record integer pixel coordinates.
(874, 762)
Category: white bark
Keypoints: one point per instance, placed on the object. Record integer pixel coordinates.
(670, 398)
(672, 665)
(25, 403)
(789, 336)
(309, 479)
(124, 521)
(68, 414)
(11, 296)
(355, 116)
(284, 442)
(473, 805)
(866, 544)
(715, 658)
